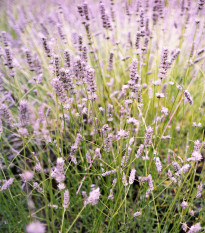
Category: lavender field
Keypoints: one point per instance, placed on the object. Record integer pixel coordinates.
(102, 116)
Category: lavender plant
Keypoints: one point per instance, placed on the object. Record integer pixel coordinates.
(102, 116)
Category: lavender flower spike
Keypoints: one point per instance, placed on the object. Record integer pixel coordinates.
(24, 112)
(148, 137)
(66, 199)
(132, 176)
(93, 197)
(188, 97)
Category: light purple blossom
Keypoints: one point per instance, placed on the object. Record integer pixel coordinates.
(122, 134)
(158, 164)
(148, 137)
(58, 173)
(140, 151)
(184, 227)
(196, 156)
(88, 157)
(184, 204)
(35, 227)
(124, 179)
(27, 176)
(93, 197)
(199, 191)
(61, 186)
(136, 214)
(66, 199)
(24, 115)
(195, 228)
(7, 184)
(132, 176)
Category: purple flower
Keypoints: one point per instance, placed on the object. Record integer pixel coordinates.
(29, 60)
(197, 145)
(140, 151)
(122, 134)
(199, 191)
(110, 62)
(88, 157)
(124, 180)
(66, 199)
(176, 166)
(66, 78)
(1, 127)
(93, 197)
(188, 97)
(91, 85)
(46, 46)
(59, 89)
(105, 17)
(137, 41)
(35, 227)
(136, 214)
(4, 39)
(196, 156)
(195, 228)
(5, 114)
(37, 187)
(148, 137)
(7, 184)
(184, 227)
(58, 172)
(184, 205)
(27, 176)
(67, 58)
(158, 164)
(132, 176)
(56, 59)
(201, 4)
(109, 172)
(24, 115)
